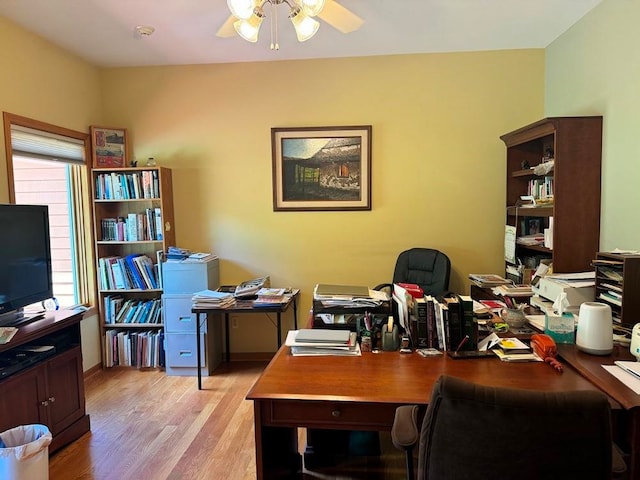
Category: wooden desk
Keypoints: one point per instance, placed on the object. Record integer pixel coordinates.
(590, 366)
(362, 393)
(244, 307)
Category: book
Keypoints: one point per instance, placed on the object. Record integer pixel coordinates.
(422, 339)
(6, 334)
(454, 316)
(469, 324)
(322, 336)
(514, 290)
(488, 280)
(516, 357)
(349, 291)
(512, 346)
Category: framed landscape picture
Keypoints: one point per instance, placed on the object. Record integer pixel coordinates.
(321, 168)
(109, 147)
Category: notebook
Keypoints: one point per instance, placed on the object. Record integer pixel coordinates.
(324, 290)
(630, 367)
(322, 335)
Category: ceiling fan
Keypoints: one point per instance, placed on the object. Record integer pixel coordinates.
(247, 16)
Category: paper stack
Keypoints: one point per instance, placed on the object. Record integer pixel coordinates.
(320, 341)
(212, 299)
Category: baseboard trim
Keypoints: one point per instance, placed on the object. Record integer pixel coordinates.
(252, 356)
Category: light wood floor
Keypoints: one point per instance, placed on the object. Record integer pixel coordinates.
(147, 425)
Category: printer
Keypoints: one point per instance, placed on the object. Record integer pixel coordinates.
(549, 289)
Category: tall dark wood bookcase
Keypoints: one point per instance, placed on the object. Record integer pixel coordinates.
(575, 144)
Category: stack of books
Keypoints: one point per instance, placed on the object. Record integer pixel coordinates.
(321, 342)
(514, 350)
(488, 280)
(270, 296)
(212, 299)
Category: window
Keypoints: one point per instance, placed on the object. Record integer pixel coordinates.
(46, 165)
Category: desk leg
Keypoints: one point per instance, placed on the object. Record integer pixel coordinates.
(226, 336)
(279, 325)
(198, 350)
(634, 468)
(277, 454)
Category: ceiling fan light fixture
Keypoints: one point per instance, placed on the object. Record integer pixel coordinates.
(242, 9)
(305, 26)
(249, 29)
(312, 7)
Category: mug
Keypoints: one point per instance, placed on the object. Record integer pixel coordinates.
(514, 317)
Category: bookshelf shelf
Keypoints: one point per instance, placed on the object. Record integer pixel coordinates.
(575, 145)
(133, 221)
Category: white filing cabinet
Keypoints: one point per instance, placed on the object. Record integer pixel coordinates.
(180, 281)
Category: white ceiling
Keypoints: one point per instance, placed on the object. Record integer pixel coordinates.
(102, 31)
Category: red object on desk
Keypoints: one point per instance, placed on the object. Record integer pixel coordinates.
(412, 289)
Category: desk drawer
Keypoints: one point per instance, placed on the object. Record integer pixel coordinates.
(177, 314)
(332, 415)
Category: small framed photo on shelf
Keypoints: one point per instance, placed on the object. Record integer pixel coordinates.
(109, 147)
(321, 168)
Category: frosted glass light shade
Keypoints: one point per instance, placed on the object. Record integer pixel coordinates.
(306, 27)
(249, 29)
(312, 7)
(242, 9)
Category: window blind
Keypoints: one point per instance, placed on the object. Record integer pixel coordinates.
(46, 146)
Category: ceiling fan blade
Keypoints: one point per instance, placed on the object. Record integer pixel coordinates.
(339, 17)
(227, 30)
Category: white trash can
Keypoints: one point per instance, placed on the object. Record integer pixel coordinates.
(24, 453)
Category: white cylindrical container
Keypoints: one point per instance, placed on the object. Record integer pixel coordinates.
(595, 329)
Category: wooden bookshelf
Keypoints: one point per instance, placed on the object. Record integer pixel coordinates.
(152, 205)
(574, 144)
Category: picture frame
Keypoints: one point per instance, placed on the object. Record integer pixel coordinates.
(321, 168)
(109, 147)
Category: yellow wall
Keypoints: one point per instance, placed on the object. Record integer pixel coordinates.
(438, 164)
(43, 82)
(594, 69)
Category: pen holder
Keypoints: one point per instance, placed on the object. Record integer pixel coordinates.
(560, 327)
(390, 338)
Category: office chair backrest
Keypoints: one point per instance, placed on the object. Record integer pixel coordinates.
(473, 431)
(426, 267)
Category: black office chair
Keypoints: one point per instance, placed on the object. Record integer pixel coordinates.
(474, 431)
(426, 267)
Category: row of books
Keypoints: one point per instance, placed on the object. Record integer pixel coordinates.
(135, 227)
(127, 186)
(134, 348)
(443, 323)
(119, 310)
(135, 271)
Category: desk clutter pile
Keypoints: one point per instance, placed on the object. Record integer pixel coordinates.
(251, 293)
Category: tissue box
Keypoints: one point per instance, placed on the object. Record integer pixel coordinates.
(561, 328)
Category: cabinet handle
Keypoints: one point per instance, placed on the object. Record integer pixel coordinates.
(45, 403)
(336, 413)
(52, 399)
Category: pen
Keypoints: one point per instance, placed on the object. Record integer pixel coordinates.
(464, 340)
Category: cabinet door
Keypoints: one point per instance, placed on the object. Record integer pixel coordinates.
(65, 385)
(21, 399)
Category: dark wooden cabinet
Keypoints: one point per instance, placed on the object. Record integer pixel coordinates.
(49, 392)
(568, 195)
